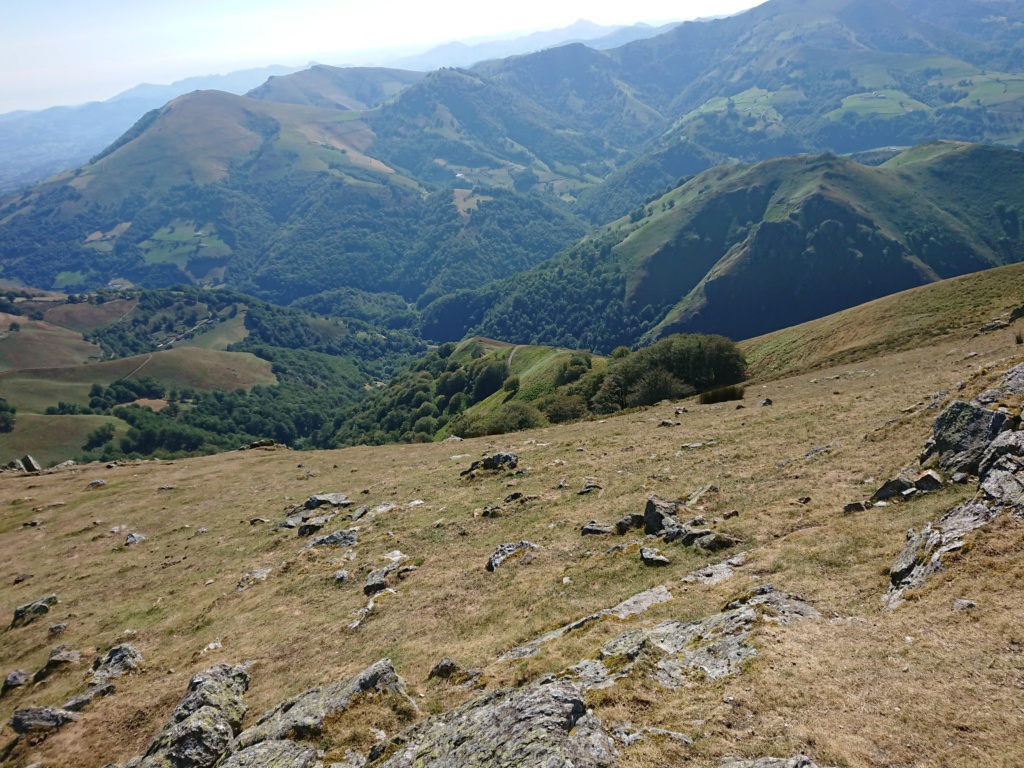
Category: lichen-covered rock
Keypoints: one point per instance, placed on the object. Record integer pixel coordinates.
(202, 726)
(29, 612)
(505, 551)
(543, 726)
(713, 542)
(273, 754)
(119, 660)
(962, 434)
(303, 716)
(40, 719)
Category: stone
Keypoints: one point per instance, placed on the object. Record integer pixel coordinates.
(964, 605)
(23, 577)
(252, 578)
(929, 482)
(119, 660)
(303, 716)
(962, 434)
(627, 523)
(376, 580)
(668, 423)
(653, 557)
(40, 719)
(29, 612)
(1003, 483)
(336, 539)
(328, 499)
(84, 699)
(960, 478)
(449, 670)
(274, 754)
(134, 538)
(340, 577)
(855, 506)
(505, 551)
(96, 484)
(1013, 381)
(717, 573)
(1005, 444)
(589, 488)
(540, 725)
(765, 403)
(314, 525)
(660, 515)
(202, 726)
(698, 495)
(57, 629)
(892, 489)
(594, 528)
(800, 761)
(61, 657)
(30, 464)
(713, 542)
(15, 679)
(495, 463)
(16, 465)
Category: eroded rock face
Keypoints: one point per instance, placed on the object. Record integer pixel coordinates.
(303, 716)
(962, 434)
(543, 726)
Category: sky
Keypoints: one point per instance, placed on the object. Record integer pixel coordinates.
(55, 52)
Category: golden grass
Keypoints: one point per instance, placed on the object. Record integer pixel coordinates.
(958, 700)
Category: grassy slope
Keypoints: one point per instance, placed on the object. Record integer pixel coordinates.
(808, 680)
(40, 343)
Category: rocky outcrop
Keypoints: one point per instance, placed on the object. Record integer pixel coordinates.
(203, 724)
(541, 725)
(273, 754)
(303, 716)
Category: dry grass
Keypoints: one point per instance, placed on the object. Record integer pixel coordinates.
(829, 688)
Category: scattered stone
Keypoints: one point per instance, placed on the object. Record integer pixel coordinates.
(302, 716)
(628, 523)
(29, 612)
(376, 580)
(451, 671)
(589, 488)
(497, 462)
(84, 699)
(594, 528)
(804, 500)
(15, 679)
(30, 464)
(61, 657)
(328, 500)
(360, 513)
(119, 660)
(258, 521)
(134, 538)
(673, 735)
(274, 754)
(540, 725)
(253, 577)
(700, 493)
(964, 605)
(653, 558)
(929, 482)
(40, 719)
(855, 506)
(336, 539)
(505, 551)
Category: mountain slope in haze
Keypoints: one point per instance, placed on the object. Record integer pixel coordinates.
(43, 143)
(743, 250)
(355, 88)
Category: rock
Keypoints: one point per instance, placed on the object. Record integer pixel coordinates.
(340, 577)
(765, 403)
(134, 538)
(715, 574)
(61, 657)
(855, 506)
(16, 465)
(57, 629)
(700, 493)
(495, 463)
(274, 754)
(960, 478)
(336, 539)
(258, 521)
(96, 484)
(964, 605)
(769, 762)
(892, 489)
(653, 557)
(22, 577)
(200, 730)
(594, 528)
(962, 434)
(29, 612)
(929, 482)
(1005, 444)
(660, 516)
(376, 580)
(40, 719)
(1003, 484)
(303, 716)
(542, 725)
(83, 700)
(505, 551)
(30, 464)
(667, 423)
(328, 499)
(713, 542)
(628, 523)
(1013, 381)
(253, 577)
(15, 679)
(589, 488)
(451, 671)
(314, 525)
(119, 660)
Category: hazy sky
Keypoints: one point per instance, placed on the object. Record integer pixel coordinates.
(70, 51)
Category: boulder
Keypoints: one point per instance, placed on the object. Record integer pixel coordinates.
(962, 434)
(274, 754)
(202, 726)
(594, 528)
(540, 725)
(29, 612)
(15, 679)
(1003, 483)
(495, 463)
(1013, 381)
(61, 657)
(653, 558)
(40, 719)
(660, 515)
(303, 716)
(505, 551)
(1006, 444)
(336, 539)
(252, 578)
(929, 482)
(628, 523)
(892, 489)
(84, 699)
(16, 465)
(713, 542)
(119, 660)
(30, 464)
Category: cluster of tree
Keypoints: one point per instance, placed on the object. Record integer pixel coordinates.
(7, 412)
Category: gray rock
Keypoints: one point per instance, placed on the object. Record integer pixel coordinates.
(682, 738)
(962, 434)
(1013, 381)
(964, 605)
(336, 539)
(505, 551)
(769, 762)
(717, 573)
(22, 577)
(594, 528)
(628, 645)
(1005, 444)
(660, 515)
(134, 538)
(854, 507)
(329, 500)
(29, 612)
(546, 726)
(119, 660)
(252, 578)
(315, 525)
(84, 699)
(15, 679)
(340, 577)
(929, 482)
(61, 657)
(628, 523)
(16, 465)
(376, 580)
(200, 730)
(589, 488)
(303, 716)
(30, 464)
(714, 542)
(274, 754)
(960, 478)
(57, 629)
(40, 719)
(892, 489)
(495, 463)
(700, 493)
(765, 403)
(96, 484)
(1003, 484)
(653, 558)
